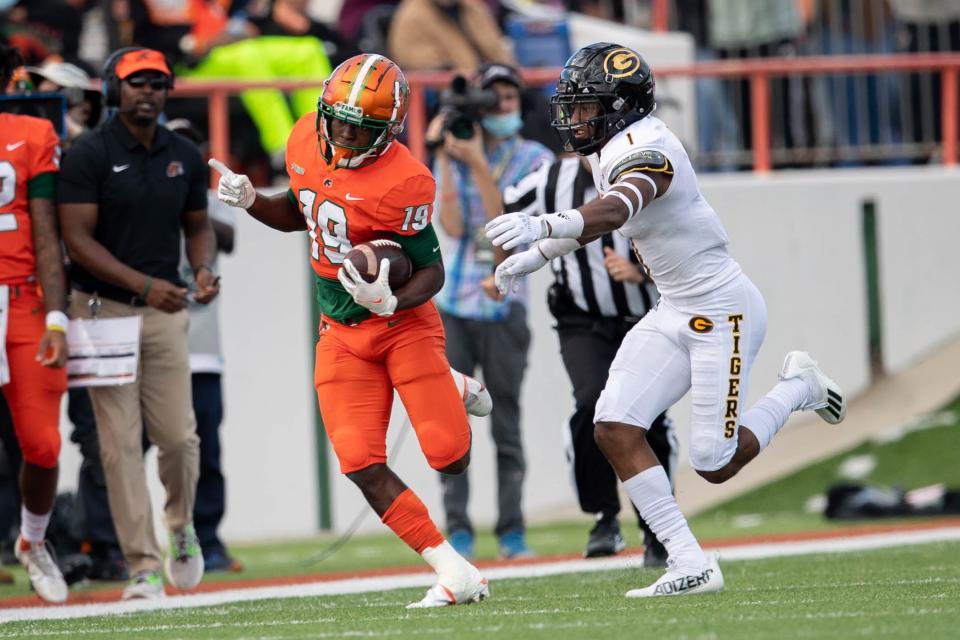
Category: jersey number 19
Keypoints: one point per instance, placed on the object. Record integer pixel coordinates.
(327, 224)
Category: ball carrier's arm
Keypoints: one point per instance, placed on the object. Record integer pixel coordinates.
(276, 211)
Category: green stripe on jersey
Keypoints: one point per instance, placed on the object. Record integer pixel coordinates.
(336, 303)
(423, 247)
(43, 185)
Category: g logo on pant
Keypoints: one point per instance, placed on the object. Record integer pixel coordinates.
(699, 324)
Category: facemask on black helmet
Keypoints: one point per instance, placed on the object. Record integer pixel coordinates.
(603, 88)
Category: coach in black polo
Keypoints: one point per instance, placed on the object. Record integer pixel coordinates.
(127, 191)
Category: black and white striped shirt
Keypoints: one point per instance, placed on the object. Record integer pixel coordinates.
(567, 184)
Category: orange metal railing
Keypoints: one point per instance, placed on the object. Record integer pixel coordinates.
(759, 72)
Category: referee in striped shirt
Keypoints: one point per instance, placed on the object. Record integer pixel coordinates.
(600, 292)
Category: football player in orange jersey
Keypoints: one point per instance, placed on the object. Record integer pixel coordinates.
(351, 181)
(33, 350)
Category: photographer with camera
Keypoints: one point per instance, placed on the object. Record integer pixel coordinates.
(479, 152)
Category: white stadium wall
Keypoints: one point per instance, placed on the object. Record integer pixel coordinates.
(798, 235)
(918, 233)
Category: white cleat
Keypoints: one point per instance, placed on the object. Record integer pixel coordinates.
(684, 582)
(44, 573)
(439, 595)
(476, 398)
(826, 397)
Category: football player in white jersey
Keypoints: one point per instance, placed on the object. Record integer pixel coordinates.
(704, 334)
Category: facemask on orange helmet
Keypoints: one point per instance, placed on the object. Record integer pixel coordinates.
(367, 91)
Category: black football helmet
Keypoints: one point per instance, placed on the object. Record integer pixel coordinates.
(614, 78)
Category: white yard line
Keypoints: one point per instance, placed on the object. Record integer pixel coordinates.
(385, 583)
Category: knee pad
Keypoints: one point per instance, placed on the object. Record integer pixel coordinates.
(704, 456)
(441, 445)
(43, 451)
(353, 451)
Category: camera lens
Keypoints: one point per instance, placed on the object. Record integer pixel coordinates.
(461, 127)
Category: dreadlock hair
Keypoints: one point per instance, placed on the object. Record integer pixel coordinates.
(10, 61)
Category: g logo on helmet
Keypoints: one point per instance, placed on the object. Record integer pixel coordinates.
(700, 324)
(621, 63)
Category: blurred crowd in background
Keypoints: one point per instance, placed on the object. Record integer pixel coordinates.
(817, 120)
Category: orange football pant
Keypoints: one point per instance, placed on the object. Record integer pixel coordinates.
(34, 391)
(357, 369)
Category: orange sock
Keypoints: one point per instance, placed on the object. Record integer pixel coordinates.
(409, 519)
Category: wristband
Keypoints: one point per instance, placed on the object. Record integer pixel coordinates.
(200, 267)
(556, 247)
(57, 321)
(565, 224)
(146, 287)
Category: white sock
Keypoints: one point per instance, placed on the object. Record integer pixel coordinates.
(650, 492)
(33, 528)
(449, 565)
(770, 413)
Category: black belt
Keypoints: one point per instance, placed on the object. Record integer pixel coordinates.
(131, 300)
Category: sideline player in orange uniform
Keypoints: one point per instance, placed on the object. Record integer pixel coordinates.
(352, 182)
(33, 350)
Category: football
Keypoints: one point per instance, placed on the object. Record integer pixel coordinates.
(366, 257)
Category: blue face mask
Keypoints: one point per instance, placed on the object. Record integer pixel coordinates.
(502, 125)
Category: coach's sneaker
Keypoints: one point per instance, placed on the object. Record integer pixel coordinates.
(447, 592)
(678, 581)
(513, 546)
(44, 574)
(826, 398)
(144, 585)
(462, 542)
(654, 553)
(476, 398)
(184, 565)
(605, 539)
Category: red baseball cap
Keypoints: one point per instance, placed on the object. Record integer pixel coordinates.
(141, 60)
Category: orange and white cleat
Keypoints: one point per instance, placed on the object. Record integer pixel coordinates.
(476, 398)
(44, 574)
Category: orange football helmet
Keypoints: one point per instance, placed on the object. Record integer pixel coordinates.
(367, 91)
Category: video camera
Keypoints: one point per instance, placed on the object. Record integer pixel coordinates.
(50, 106)
(463, 105)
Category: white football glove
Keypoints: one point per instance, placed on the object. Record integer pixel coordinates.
(233, 189)
(511, 230)
(515, 267)
(375, 296)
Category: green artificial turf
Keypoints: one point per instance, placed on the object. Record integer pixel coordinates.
(928, 455)
(905, 592)
(919, 458)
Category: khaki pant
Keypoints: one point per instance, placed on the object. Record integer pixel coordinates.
(161, 400)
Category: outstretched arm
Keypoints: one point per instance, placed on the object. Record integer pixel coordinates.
(277, 211)
(623, 201)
